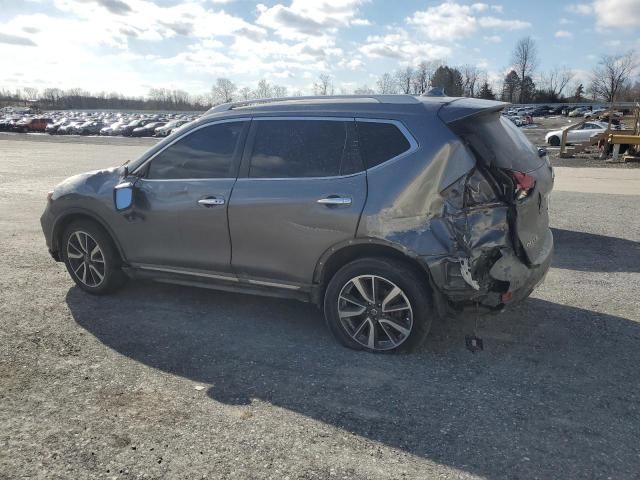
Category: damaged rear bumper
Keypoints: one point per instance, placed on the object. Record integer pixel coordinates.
(488, 272)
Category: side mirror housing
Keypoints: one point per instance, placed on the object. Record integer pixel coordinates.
(123, 196)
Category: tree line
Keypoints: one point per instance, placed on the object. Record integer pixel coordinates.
(614, 77)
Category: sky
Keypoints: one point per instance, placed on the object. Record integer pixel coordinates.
(130, 46)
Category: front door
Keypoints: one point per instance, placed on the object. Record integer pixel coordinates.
(180, 211)
(301, 190)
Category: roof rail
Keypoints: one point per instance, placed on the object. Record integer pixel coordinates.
(225, 107)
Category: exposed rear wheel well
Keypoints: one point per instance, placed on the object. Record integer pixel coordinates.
(348, 254)
(64, 222)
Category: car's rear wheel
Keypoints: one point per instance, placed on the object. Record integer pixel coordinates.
(554, 141)
(379, 305)
(91, 258)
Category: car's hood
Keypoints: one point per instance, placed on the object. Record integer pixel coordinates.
(89, 182)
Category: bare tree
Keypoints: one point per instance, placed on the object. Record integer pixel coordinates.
(245, 93)
(279, 91)
(387, 85)
(263, 90)
(223, 90)
(556, 80)
(525, 61)
(364, 90)
(52, 95)
(423, 75)
(30, 93)
(404, 79)
(470, 75)
(611, 75)
(323, 86)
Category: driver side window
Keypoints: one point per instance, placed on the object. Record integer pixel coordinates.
(208, 152)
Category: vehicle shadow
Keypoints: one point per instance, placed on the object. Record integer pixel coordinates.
(553, 395)
(590, 252)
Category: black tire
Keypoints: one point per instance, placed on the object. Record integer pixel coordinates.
(414, 288)
(554, 141)
(112, 275)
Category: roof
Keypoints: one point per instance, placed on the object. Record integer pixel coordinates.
(317, 100)
(457, 107)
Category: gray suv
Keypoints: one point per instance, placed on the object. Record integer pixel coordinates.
(385, 211)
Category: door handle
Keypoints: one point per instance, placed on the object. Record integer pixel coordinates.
(211, 201)
(335, 200)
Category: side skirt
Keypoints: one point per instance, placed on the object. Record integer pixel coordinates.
(219, 282)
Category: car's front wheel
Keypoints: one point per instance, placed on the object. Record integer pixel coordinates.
(379, 305)
(91, 258)
(554, 141)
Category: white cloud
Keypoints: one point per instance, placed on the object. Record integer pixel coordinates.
(493, 38)
(494, 22)
(563, 34)
(304, 18)
(447, 21)
(565, 21)
(617, 13)
(400, 46)
(580, 8)
(360, 22)
(452, 21)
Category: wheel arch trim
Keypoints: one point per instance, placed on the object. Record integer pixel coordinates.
(63, 219)
(359, 243)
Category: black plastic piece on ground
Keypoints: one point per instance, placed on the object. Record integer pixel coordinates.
(473, 343)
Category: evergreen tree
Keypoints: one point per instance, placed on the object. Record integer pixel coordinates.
(486, 92)
(450, 80)
(579, 93)
(510, 87)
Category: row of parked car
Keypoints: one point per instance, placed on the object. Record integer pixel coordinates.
(586, 111)
(97, 123)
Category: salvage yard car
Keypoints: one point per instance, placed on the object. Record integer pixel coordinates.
(386, 211)
(576, 135)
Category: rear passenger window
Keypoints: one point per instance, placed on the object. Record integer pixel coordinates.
(204, 153)
(304, 148)
(380, 142)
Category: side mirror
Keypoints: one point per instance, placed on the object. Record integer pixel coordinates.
(123, 196)
(542, 152)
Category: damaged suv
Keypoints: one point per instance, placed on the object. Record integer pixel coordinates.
(386, 211)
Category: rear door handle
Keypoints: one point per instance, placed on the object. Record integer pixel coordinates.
(211, 201)
(335, 200)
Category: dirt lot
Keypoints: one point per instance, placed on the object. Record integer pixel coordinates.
(163, 381)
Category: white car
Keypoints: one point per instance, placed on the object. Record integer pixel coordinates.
(578, 112)
(594, 112)
(578, 135)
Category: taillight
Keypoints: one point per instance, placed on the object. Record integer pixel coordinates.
(524, 184)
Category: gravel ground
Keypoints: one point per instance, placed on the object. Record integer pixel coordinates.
(162, 381)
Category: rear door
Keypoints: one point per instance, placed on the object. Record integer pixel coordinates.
(301, 190)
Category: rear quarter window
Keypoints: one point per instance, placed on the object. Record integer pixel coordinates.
(499, 142)
(380, 141)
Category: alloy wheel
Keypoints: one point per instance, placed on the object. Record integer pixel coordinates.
(86, 259)
(375, 312)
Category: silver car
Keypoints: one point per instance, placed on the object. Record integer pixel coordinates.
(385, 211)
